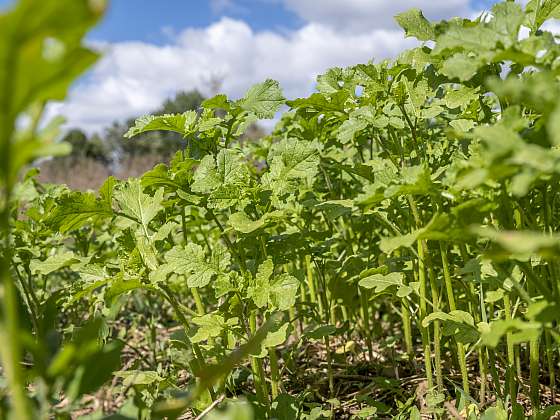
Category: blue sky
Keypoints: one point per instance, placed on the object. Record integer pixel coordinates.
(154, 48)
(153, 20)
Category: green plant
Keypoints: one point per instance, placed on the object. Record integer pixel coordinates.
(404, 217)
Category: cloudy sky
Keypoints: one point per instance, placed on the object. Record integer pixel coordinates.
(153, 48)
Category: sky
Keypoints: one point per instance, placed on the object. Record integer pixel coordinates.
(155, 48)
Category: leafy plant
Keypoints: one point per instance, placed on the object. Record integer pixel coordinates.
(404, 217)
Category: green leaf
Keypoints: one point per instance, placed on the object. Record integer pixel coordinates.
(283, 291)
(138, 205)
(274, 338)
(260, 292)
(380, 282)
(322, 102)
(54, 263)
(217, 102)
(273, 291)
(191, 261)
(472, 38)
(263, 99)
(553, 126)
(291, 161)
(241, 222)
(522, 331)
(320, 332)
(184, 124)
(522, 242)
(120, 286)
(139, 377)
(75, 210)
(462, 125)
(495, 413)
(349, 128)
(415, 24)
(539, 11)
(461, 66)
(388, 245)
(49, 50)
(223, 179)
(459, 324)
(210, 326)
(335, 208)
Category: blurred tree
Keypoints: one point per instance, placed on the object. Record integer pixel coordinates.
(84, 147)
(182, 102)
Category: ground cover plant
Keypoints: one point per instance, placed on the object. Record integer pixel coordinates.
(390, 250)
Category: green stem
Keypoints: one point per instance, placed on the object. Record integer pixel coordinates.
(257, 367)
(550, 363)
(199, 357)
(329, 367)
(425, 333)
(534, 369)
(198, 301)
(510, 353)
(437, 330)
(365, 317)
(453, 307)
(311, 284)
(274, 373)
(11, 348)
(407, 328)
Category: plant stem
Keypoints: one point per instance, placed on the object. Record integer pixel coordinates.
(453, 307)
(423, 312)
(534, 371)
(198, 301)
(199, 357)
(437, 330)
(550, 363)
(510, 352)
(313, 297)
(257, 368)
(11, 348)
(365, 317)
(425, 332)
(274, 373)
(329, 367)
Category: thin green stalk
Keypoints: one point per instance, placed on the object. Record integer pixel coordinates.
(425, 333)
(198, 301)
(407, 328)
(313, 297)
(274, 373)
(28, 297)
(483, 351)
(550, 363)
(453, 307)
(364, 305)
(436, 323)
(257, 367)
(534, 371)
(344, 312)
(330, 373)
(510, 352)
(328, 320)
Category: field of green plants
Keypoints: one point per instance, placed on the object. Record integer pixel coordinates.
(390, 250)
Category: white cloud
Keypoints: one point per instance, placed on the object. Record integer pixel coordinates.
(366, 15)
(134, 77)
